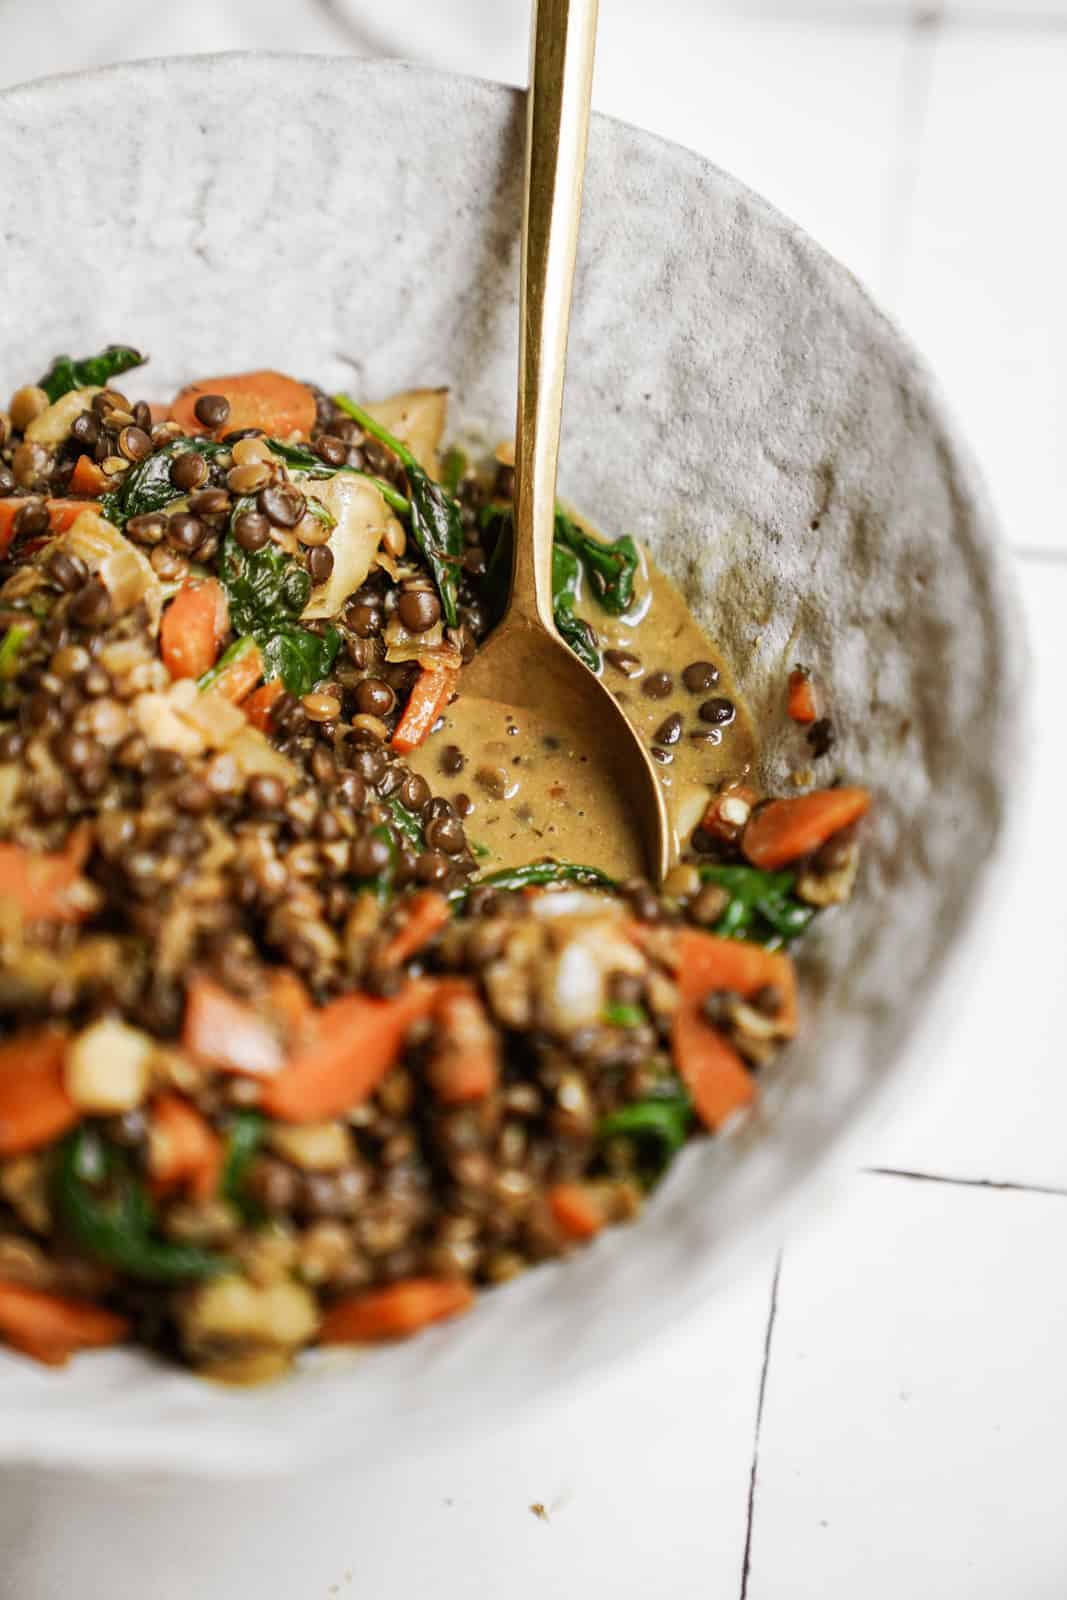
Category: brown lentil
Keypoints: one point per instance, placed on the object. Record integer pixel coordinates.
(248, 479)
(188, 471)
(212, 410)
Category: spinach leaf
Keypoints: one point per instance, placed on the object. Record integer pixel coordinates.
(233, 652)
(109, 1212)
(762, 905)
(565, 583)
(245, 1134)
(572, 630)
(619, 1015)
(658, 1127)
(300, 658)
(609, 566)
(66, 374)
(435, 523)
(11, 648)
(407, 824)
(534, 874)
(267, 591)
(453, 468)
(147, 486)
(300, 459)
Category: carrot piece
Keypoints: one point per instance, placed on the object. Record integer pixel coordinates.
(351, 1045)
(576, 1210)
(35, 1107)
(87, 479)
(40, 885)
(184, 1151)
(706, 962)
(395, 1312)
(52, 1327)
(259, 707)
(269, 400)
(236, 681)
(228, 1033)
(465, 1064)
(193, 627)
(786, 829)
(427, 701)
(800, 704)
(427, 914)
(61, 514)
(710, 1067)
(290, 1001)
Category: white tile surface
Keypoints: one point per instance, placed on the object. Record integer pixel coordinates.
(912, 1435)
(986, 260)
(644, 1479)
(998, 1102)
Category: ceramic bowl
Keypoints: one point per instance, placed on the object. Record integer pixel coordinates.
(735, 400)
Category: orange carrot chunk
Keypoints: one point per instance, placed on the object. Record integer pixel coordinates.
(61, 514)
(259, 707)
(465, 1064)
(272, 401)
(395, 1312)
(228, 1033)
(184, 1151)
(87, 479)
(351, 1045)
(427, 701)
(710, 1067)
(53, 1327)
(40, 885)
(35, 1108)
(426, 914)
(785, 830)
(707, 963)
(236, 681)
(801, 702)
(576, 1210)
(193, 627)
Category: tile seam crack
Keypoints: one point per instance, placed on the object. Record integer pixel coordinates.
(754, 1470)
(995, 1184)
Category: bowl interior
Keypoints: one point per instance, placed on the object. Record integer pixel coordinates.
(735, 400)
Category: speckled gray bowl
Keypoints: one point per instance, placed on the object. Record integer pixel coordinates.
(736, 401)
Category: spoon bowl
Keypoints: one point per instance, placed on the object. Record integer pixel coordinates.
(526, 663)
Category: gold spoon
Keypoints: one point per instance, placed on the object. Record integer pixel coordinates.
(525, 662)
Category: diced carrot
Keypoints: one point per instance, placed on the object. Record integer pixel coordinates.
(228, 1033)
(710, 1067)
(193, 627)
(426, 914)
(35, 1107)
(259, 707)
(61, 514)
(427, 701)
(707, 963)
(784, 830)
(396, 1311)
(272, 401)
(576, 1210)
(708, 1064)
(801, 702)
(40, 885)
(52, 1327)
(87, 478)
(237, 681)
(184, 1151)
(465, 1063)
(290, 1001)
(351, 1045)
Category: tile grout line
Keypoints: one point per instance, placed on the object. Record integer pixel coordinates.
(771, 1316)
(999, 1185)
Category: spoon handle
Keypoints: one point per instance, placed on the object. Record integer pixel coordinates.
(557, 125)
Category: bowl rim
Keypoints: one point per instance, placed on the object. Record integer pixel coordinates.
(52, 1440)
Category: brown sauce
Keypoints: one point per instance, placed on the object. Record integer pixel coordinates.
(524, 790)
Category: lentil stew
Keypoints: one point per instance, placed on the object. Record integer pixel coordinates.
(322, 1007)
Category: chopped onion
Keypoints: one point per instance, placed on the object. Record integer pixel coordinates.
(360, 517)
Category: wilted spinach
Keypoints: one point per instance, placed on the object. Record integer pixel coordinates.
(657, 1127)
(565, 579)
(66, 374)
(762, 906)
(610, 566)
(147, 487)
(434, 514)
(267, 591)
(300, 459)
